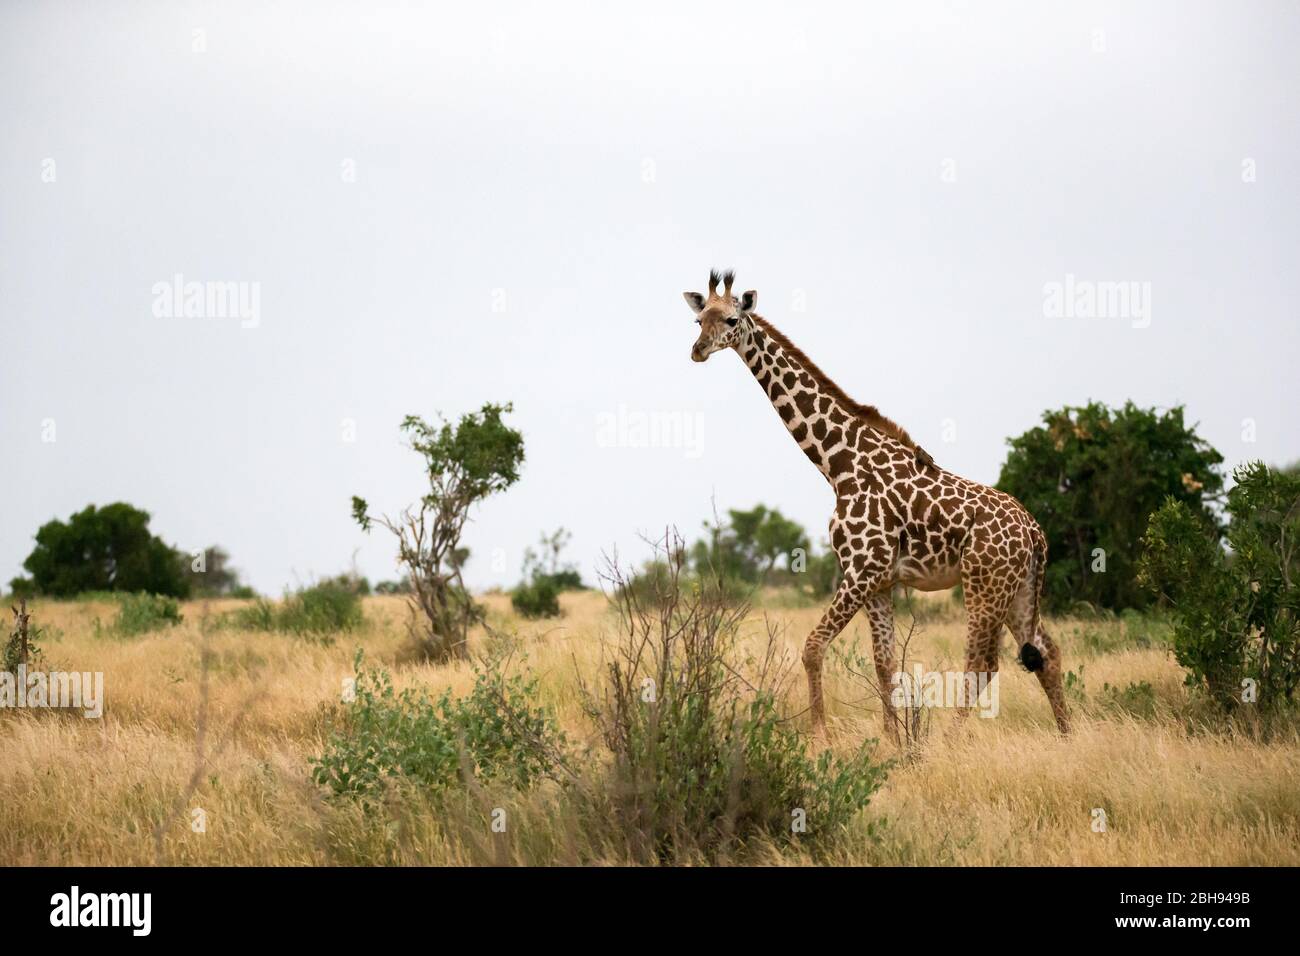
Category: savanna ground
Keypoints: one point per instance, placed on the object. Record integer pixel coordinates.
(1008, 790)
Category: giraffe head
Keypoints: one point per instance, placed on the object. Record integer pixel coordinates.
(723, 319)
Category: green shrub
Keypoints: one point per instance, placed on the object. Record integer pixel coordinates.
(141, 613)
(545, 576)
(1236, 616)
(497, 733)
(703, 760)
(537, 598)
(258, 616)
(322, 609)
(568, 579)
(12, 654)
(319, 611)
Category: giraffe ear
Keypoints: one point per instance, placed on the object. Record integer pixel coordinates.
(748, 300)
(694, 300)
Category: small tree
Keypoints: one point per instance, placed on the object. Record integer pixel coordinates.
(466, 463)
(1092, 476)
(545, 562)
(1237, 615)
(212, 576)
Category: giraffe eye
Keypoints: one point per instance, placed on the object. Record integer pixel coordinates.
(733, 320)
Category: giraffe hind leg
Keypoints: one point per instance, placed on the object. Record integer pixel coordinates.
(1039, 653)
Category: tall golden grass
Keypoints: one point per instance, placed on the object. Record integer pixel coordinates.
(122, 789)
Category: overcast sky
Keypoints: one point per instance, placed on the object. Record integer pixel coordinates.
(433, 208)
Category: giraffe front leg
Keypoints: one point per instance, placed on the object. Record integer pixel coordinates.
(853, 590)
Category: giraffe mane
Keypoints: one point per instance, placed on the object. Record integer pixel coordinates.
(869, 415)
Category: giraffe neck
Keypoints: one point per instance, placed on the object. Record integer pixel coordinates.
(819, 418)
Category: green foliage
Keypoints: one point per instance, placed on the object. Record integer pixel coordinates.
(12, 653)
(749, 546)
(545, 562)
(1092, 476)
(142, 613)
(103, 549)
(646, 587)
(496, 733)
(545, 576)
(1104, 632)
(823, 573)
(1237, 616)
(466, 463)
(703, 760)
(22, 588)
(258, 616)
(695, 770)
(537, 598)
(319, 611)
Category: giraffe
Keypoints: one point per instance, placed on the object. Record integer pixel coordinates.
(899, 518)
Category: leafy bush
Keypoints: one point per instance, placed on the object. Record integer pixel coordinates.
(545, 577)
(537, 598)
(258, 616)
(1092, 476)
(318, 611)
(141, 613)
(12, 654)
(703, 760)
(1236, 616)
(496, 733)
(322, 609)
(102, 549)
(698, 764)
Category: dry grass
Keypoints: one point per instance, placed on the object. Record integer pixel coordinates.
(1003, 791)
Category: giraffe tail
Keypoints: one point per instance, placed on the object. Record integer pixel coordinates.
(1031, 658)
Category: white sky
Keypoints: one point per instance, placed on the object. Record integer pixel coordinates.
(592, 161)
